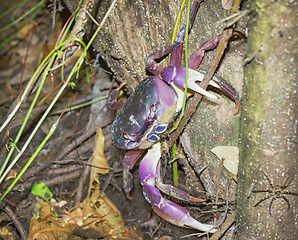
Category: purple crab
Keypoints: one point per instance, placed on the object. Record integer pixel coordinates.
(143, 120)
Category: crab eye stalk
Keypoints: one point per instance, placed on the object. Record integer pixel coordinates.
(129, 137)
(132, 140)
(152, 115)
(153, 108)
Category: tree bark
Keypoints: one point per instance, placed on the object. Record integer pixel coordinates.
(269, 124)
(135, 29)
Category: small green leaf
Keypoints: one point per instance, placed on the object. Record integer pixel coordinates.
(59, 53)
(13, 144)
(40, 189)
(72, 85)
(115, 220)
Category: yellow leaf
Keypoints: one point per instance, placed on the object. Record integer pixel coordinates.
(99, 162)
(230, 157)
(226, 4)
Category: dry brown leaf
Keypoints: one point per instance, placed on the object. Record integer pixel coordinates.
(95, 213)
(98, 161)
(106, 218)
(25, 32)
(52, 229)
(8, 234)
(47, 226)
(11, 175)
(98, 211)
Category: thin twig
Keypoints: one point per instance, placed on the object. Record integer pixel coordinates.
(227, 206)
(230, 220)
(227, 33)
(82, 184)
(16, 222)
(57, 180)
(107, 182)
(217, 186)
(67, 150)
(79, 140)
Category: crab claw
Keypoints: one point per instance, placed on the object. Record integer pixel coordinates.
(177, 75)
(165, 208)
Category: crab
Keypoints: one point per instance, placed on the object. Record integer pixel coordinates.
(143, 120)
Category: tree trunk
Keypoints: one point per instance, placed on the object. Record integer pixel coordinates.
(135, 29)
(269, 125)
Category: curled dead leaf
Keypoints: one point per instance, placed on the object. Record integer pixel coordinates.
(230, 157)
(226, 4)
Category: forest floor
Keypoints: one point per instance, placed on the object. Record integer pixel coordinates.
(62, 163)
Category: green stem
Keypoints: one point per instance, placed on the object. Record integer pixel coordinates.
(23, 16)
(175, 166)
(76, 67)
(177, 21)
(53, 128)
(13, 7)
(22, 129)
(186, 68)
(52, 54)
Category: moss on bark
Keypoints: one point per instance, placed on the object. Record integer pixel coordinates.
(269, 123)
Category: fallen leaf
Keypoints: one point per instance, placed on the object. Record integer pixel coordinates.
(226, 4)
(96, 214)
(40, 189)
(99, 161)
(52, 229)
(230, 157)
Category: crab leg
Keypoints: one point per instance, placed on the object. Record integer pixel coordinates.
(173, 191)
(176, 54)
(112, 101)
(175, 49)
(196, 57)
(154, 67)
(128, 162)
(165, 208)
(173, 72)
(177, 75)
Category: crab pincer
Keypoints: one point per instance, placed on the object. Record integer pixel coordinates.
(166, 209)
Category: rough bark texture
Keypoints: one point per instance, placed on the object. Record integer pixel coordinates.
(135, 29)
(215, 124)
(269, 123)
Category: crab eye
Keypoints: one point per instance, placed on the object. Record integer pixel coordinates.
(153, 138)
(152, 106)
(127, 136)
(152, 115)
